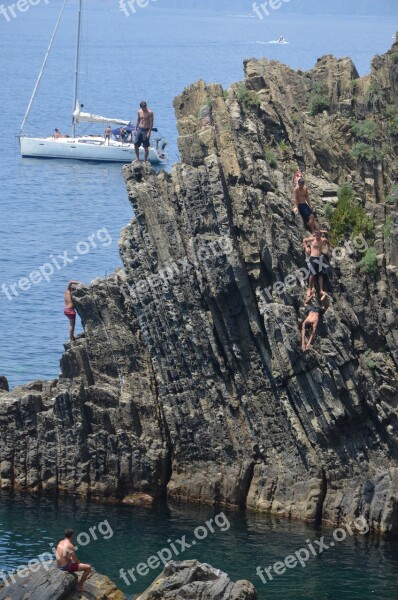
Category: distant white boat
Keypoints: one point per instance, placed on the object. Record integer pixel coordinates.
(86, 147)
(281, 41)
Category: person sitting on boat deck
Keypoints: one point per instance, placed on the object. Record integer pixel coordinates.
(317, 263)
(69, 310)
(313, 313)
(67, 560)
(143, 130)
(57, 134)
(302, 205)
(107, 135)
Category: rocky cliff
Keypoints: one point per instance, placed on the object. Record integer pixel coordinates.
(189, 381)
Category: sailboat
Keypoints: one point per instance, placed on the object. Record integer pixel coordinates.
(117, 148)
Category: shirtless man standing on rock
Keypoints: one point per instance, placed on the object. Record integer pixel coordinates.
(302, 205)
(317, 266)
(143, 130)
(67, 560)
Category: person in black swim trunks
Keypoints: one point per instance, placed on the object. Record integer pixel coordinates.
(317, 261)
(302, 205)
(313, 313)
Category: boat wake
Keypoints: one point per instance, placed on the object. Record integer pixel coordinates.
(273, 42)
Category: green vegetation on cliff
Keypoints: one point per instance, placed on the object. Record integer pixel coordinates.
(349, 217)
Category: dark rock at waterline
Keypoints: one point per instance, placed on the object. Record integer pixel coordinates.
(53, 584)
(189, 381)
(4, 383)
(192, 579)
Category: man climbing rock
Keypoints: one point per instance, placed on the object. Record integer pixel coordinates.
(317, 262)
(69, 310)
(302, 204)
(296, 176)
(313, 313)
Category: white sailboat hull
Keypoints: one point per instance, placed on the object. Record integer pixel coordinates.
(86, 148)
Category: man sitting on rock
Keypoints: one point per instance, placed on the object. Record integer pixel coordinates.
(302, 204)
(67, 560)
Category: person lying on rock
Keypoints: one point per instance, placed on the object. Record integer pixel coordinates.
(67, 560)
(313, 312)
(302, 204)
(317, 261)
(69, 310)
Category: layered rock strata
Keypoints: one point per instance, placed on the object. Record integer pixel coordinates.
(189, 381)
(192, 579)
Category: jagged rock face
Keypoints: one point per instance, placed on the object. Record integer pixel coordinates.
(189, 380)
(53, 584)
(192, 579)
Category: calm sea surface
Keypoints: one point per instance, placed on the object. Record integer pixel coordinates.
(357, 568)
(52, 207)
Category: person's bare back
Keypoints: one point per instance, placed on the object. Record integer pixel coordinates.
(64, 552)
(67, 560)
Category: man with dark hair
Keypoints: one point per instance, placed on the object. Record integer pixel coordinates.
(67, 560)
(301, 204)
(143, 130)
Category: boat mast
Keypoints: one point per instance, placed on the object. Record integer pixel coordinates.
(41, 70)
(75, 99)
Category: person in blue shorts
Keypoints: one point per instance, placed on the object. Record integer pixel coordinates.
(143, 130)
(302, 205)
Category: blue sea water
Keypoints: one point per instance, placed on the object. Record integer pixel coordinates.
(52, 207)
(358, 567)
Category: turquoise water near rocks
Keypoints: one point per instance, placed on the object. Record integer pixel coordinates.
(357, 568)
(49, 207)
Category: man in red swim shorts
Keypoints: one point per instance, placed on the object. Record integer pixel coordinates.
(67, 560)
(70, 310)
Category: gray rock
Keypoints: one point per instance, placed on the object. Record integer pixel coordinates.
(53, 584)
(192, 579)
